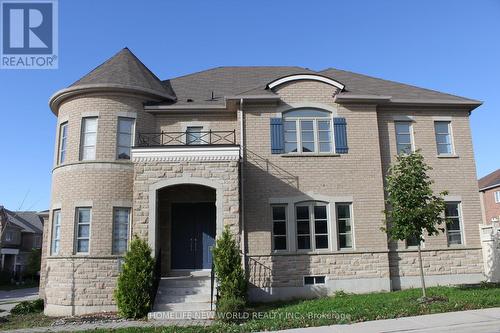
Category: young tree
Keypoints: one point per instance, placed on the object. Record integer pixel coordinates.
(412, 206)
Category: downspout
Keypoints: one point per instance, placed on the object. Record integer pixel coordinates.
(242, 183)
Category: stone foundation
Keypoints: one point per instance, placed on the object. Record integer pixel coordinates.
(80, 285)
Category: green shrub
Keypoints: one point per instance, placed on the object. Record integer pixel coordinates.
(26, 307)
(5, 277)
(134, 289)
(229, 308)
(34, 263)
(230, 275)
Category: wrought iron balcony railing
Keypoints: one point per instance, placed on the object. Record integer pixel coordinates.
(186, 138)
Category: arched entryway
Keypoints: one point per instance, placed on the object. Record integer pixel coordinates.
(186, 219)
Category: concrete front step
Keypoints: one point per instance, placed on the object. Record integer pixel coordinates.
(181, 315)
(182, 298)
(183, 291)
(185, 282)
(187, 306)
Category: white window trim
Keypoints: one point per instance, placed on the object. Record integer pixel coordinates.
(287, 236)
(60, 150)
(76, 230)
(496, 195)
(9, 236)
(52, 236)
(452, 141)
(412, 134)
(461, 223)
(132, 144)
(312, 233)
(351, 212)
(129, 222)
(298, 130)
(314, 277)
(82, 138)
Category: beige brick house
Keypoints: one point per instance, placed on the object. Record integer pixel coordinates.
(293, 160)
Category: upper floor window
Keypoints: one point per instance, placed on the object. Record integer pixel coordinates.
(454, 225)
(344, 225)
(125, 138)
(497, 196)
(193, 135)
(9, 236)
(121, 217)
(443, 137)
(312, 226)
(83, 219)
(279, 227)
(404, 137)
(63, 139)
(308, 131)
(88, 138)
(37, 241)
(56, 231)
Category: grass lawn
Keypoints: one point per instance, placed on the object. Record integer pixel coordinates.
(11, 322)
(340, 309)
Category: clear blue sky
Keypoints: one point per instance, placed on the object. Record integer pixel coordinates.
(451, 46)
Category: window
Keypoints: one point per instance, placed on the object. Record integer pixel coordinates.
(37, 241)
(453, 227)
(9, 236)
(344, 225)
(193, 135)
(88, 138)
(404, 137)
(125, 138)
(312, 280)
(121, 219)
(279, 227)
(412, 241)
(312, 226)
(443, 137)
(497, 197)
(63, 139)
(83, 216)
(308, 131)
(56, 231)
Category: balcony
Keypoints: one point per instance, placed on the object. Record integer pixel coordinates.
(188, 146)
(187, 138)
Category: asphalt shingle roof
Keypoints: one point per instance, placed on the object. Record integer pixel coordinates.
(124, 69)
(490, 180)
(27, 221)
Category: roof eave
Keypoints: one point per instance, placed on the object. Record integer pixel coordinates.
(56, 99)
(489, 187)
(388, 100)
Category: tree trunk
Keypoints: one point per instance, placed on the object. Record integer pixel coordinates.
(422, 280)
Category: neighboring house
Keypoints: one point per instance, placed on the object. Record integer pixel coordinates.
(292, 160)
(22, 234)
(489, 189)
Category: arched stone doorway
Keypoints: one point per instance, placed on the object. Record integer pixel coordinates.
(186, 214)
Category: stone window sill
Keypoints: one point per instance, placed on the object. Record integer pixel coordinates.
(448, 156)
(311, 155)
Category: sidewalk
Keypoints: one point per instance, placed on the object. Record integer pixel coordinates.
(477, 321)
(9, 298)
(485, 320)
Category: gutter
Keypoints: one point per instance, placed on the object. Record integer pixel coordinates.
(489, 187)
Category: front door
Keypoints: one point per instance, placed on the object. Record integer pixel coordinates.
(193, 235)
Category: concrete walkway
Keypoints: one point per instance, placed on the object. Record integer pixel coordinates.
(9, 298)
(477, 321)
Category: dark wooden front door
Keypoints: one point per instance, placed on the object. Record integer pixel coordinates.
(193, 235)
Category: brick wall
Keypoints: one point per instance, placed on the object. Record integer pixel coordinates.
(491, 208)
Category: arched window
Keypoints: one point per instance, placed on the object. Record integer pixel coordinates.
(308, 130)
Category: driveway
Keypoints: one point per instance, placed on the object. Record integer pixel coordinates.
(9, 298)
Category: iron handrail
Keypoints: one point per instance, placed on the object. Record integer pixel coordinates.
(186, 138)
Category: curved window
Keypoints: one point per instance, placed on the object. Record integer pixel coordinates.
(308, 130)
